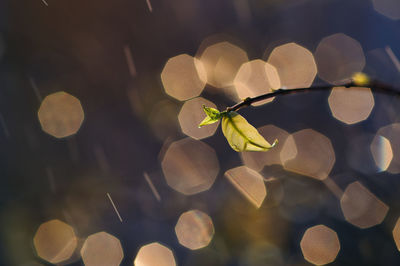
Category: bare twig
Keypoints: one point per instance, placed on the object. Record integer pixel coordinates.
(375, 86)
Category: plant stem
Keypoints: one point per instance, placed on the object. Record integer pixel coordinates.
(375, 86)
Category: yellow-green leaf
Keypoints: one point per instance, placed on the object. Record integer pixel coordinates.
(212, 112)
(241, 135)
(213, 115)
(207, 121)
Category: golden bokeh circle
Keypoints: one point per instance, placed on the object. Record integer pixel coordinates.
(55, 241)
(183, 77)
(295, 65)
(320, 245)
(60, 114)
(194, 229)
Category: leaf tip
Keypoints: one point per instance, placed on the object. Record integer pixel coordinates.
(274, 143)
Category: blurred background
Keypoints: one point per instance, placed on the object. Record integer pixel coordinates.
(102, 162)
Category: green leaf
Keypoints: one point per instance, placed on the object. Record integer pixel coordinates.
(212, 112)
(213, 115)
(241, 135)
(207, 121)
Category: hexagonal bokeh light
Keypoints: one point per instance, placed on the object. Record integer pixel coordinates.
(183, 77)
(192, 114)
(249, 183)
(255, 78)
(309, 153)
(257, 160)
(221, 62)
(391, 133)
(295, 65)
(338, 57)
(102, 249)
(154, 254)
(396, 234)
(190, 166)
(194, 229)
(362, 208)
(55, 241)
(351, 105)
(60, 114)
(381, 152)
(320, 245)
(388, 8)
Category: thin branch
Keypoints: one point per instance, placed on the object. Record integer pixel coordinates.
(375, 86)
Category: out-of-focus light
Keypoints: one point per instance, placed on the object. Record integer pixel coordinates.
(154, 254)
(351, 105)
(338, 57)
(396, 234)
(55, 241)
(333, 187)
(256, 78)
(221, 62)
(194, 229)
(60, 114)
(257, 160)
(362, 208)
(102, 249)
(295, 65)
(309, 153)
(249, 183)
(190, 166)
(183, 77)
(192, 114)
(320, 245)
(289, 150)
(392, 133)
(388, 8)
(361, 79)
(381, 152)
